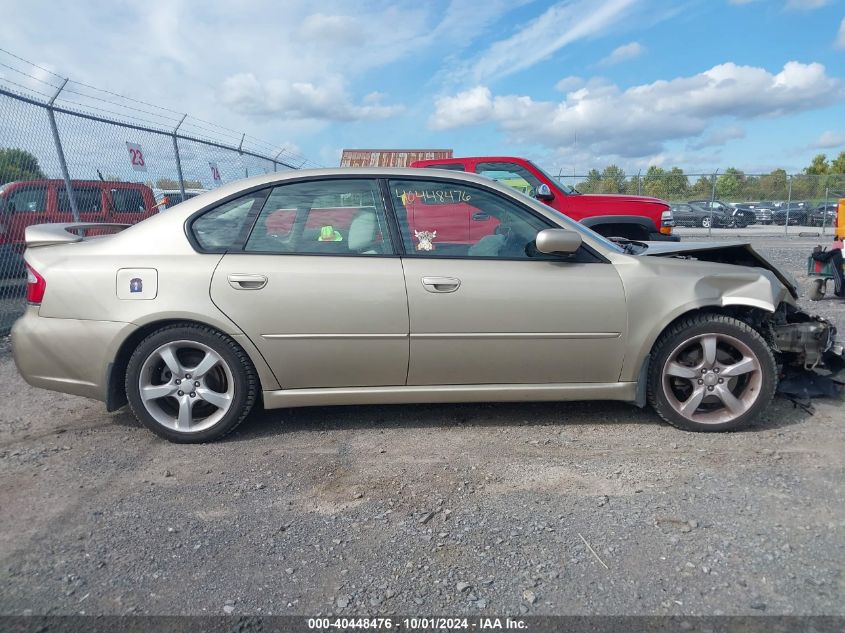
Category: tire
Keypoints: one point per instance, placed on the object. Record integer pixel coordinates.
(817, 289)
(219, 399)
(705, 222)
(743, 362)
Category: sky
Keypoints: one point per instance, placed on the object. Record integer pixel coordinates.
(573, 85)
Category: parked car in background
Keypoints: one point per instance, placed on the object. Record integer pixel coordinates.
(796, 212)
(763, 211)
(743, 216)
(612, 215)
(740, 220)
(689, 214)
(823, 215)
(166, 198)
(24, 203)
(198, 314)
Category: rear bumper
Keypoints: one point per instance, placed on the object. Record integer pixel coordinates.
(66, 355)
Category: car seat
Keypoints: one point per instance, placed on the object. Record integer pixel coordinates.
(363, 233)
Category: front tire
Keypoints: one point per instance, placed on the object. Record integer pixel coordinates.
(705, 223)
(190, 383)
(711, 373)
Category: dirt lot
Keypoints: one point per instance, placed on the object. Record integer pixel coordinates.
(450, 509)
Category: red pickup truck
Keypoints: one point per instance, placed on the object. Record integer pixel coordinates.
(632, 217)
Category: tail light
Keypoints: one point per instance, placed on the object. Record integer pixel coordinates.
(35, 286)
(667, 221)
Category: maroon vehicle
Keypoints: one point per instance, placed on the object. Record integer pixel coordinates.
(633, 217)
(24, 203)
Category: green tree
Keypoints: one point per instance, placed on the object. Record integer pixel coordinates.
(677, 185)
(18, 164)
(612, 179)
(592, 184)
(654, 182)
(703, 188)
(730, 184)
(773, 186)
(818, 166)
(837, 166)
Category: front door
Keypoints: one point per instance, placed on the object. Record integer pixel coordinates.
(317, 286)
(496, 311)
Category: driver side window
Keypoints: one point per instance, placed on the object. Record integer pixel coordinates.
(448, 219)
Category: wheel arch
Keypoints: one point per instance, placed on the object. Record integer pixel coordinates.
(753, 315)
(116, 371)
(634, 227)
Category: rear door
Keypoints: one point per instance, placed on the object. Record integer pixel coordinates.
(317, 286)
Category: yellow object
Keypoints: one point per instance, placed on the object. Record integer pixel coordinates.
(840, 219)
(328, 234)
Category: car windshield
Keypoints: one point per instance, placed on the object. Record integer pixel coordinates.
(563, 187)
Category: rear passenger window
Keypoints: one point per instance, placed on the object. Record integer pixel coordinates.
(88, 200)
(323, 217)
(222, 227)
(127, 201)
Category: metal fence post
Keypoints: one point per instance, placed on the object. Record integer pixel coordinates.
(275, 158)
(824, 215)
(788, 202)
(712, 202)
(178, 158)
(61, 154)
(639, 183)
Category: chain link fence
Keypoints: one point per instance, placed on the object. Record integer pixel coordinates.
(72, 152)
(776, 203)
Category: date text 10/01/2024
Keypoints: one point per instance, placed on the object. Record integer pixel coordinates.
(418, 623)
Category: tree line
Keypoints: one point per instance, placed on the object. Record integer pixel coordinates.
(821, 178)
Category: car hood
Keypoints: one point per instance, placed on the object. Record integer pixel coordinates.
(620, 197)
(733, 253)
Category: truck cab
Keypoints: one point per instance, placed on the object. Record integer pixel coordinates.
(632, 217)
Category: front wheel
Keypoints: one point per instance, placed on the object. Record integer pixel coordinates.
(190, 383)
(711, 373)
(705, 222)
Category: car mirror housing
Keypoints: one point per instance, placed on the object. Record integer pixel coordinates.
(558, 241)
(544, 193)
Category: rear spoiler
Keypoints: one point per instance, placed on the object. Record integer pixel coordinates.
(63, 233)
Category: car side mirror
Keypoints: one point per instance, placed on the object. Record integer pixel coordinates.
(558, 241)
(544, 193)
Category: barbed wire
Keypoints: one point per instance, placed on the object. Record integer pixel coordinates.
(117, 110)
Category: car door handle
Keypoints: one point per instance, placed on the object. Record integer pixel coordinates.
(243, 281)
(441, 284)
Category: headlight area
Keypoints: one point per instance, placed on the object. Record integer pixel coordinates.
(805, 341)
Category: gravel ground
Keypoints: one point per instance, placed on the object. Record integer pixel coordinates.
(568, 508)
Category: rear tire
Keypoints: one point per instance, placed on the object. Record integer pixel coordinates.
(190, 383)
(711, 373)
(705, 223)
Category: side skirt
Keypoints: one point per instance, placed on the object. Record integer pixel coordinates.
(283, 398)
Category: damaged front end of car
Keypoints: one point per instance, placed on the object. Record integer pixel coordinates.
(803, 342)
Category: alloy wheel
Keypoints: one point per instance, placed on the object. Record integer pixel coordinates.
(186, 386)
(712, 378)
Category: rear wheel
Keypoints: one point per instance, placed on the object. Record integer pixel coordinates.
(711, 373)
(706, 222)
(190, 383)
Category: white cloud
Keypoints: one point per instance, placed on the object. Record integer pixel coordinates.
(741, 2)
(829, 140)
(560, 25)
(569, 83)
(639, 120)
(840, 37)
(622, 53)
(718, 137)
(806, 5)
(300, 99)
